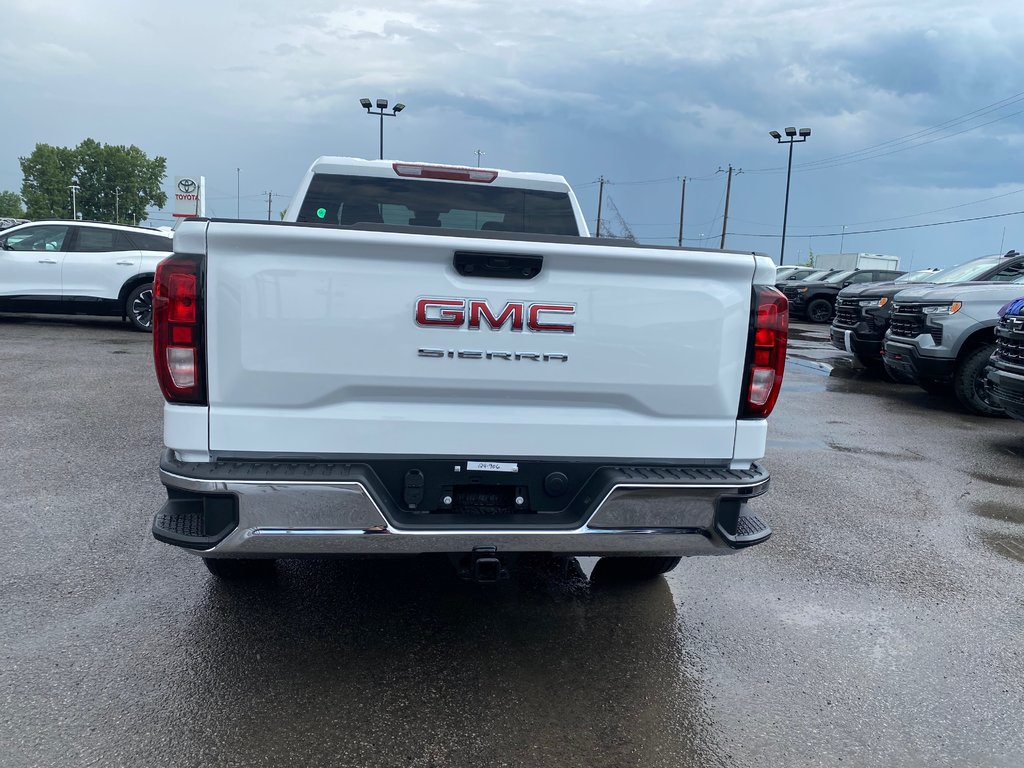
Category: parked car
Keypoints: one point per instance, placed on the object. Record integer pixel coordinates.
(817, 274)
(793, 273)
(817, 299)
(1006, 372)
(81, 268)
(863, 311)
(942, 338)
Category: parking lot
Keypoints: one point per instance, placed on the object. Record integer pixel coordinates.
(881, 625)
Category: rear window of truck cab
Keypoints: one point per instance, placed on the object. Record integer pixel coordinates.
(346, 200)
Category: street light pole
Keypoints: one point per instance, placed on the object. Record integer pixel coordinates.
(74, 199)
(478, 153)
(791, 139)
(682, 202)
(382, 104)
(117, 205)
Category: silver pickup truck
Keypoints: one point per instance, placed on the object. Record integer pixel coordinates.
(943, 336)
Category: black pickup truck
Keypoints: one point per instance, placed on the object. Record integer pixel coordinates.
(1006, 374)
(816, 300)
(863, 311)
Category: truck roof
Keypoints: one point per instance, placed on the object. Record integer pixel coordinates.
(388, 169)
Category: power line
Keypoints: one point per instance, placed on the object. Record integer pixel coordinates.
(961, 119)
(640, 182)
(870, 152)
(883, 229)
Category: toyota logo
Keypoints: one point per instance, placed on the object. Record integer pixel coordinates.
(187, 186)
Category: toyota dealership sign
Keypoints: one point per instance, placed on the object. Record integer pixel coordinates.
(189, 196)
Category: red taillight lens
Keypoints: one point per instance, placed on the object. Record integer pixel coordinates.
(768, 358)
(177, 335)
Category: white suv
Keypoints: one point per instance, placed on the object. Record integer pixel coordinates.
(81, 267)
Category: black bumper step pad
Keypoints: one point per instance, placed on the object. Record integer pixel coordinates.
(195, 521)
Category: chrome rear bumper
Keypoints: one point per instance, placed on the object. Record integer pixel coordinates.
(292, 517)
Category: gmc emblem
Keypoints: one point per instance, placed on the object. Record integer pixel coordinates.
(474, 314)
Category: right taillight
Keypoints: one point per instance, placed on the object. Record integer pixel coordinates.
(177, 330)
(768, 356)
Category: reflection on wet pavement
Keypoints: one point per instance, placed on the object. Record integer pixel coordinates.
(1010, 513)
(402, 664)
(1007, 546)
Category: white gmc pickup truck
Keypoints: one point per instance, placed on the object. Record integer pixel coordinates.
(425, 358)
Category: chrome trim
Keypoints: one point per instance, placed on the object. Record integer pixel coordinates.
(297, 517)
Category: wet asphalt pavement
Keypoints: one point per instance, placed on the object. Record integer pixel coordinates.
(882, 625)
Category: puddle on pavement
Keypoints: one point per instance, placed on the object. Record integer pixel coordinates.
(809, 366)
(1013, 448)
(795, 445)
(1004, 482)
(907, 456)
(803, 386)
(1007, 546)
(1003, 512)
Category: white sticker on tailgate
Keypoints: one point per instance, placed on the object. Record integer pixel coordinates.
(491, 466)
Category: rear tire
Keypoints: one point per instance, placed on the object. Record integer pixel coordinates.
(230, 569)
(971, 386)
(138, 307)
(610, 569)
(819, 311)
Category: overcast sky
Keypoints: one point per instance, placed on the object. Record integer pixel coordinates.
(634, 92)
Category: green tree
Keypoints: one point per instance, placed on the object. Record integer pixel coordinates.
(10, 205)
(116, 183)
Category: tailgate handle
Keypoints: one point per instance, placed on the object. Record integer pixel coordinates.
(504, 265)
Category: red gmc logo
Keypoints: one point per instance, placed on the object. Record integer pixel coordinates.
(476, 313)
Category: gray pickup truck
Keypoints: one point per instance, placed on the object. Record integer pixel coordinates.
(942, 338)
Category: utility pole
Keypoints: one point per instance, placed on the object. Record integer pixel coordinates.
(725, 217)
(117, 205)
(600, 199)
(238, 193)
(682, 203)
(478, 153)
(270, 203)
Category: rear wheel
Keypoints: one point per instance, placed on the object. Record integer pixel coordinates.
(632, 568)
(231, 569)
(971, 385)
(138, 307)
(819, 311)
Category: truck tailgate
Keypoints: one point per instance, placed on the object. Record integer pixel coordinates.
(314, 348)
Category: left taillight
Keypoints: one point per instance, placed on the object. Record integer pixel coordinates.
(177, 330)
(770, 330)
